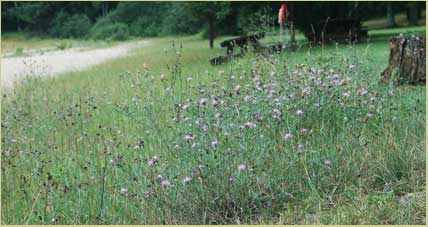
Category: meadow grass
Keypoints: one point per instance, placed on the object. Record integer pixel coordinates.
(400, 19)
(13, 41)
(163, 137)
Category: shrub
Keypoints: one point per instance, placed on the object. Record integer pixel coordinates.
(19, 51)
(144, 27)
(176, 22)
(57, 23)
(77, 26)
(66, 26)
(115, 31)
(64, 45)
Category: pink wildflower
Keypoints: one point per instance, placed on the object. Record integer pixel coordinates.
(165, 183)
(242, 167)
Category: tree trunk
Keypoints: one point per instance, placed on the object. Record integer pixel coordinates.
(293, 43)
(290, 19)
(212, 30)
(406, 60)
(18, 26)
(390, 16)
(412, 13)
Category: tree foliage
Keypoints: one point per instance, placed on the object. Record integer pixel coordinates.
(72, 19)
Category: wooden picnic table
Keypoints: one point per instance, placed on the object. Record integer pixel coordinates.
(243, 42)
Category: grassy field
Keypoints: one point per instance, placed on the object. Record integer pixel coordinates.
(163, 137)
(18, 44)
(400, 19)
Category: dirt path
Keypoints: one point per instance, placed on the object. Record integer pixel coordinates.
(56, 62)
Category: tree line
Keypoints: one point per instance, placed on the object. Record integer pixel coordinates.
(121, 20)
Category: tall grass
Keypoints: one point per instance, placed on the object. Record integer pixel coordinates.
(164, 138)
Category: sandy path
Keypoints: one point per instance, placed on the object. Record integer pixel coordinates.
(53, 63)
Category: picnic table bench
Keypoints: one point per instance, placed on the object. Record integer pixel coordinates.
(243, 42)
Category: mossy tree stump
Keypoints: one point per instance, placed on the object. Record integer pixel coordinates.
(406, 60)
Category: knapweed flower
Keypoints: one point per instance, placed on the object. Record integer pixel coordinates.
(249, 125)
(247, 98)
(306, 91)
(214, 143)
(203, 101)
(231, 179)
(123, 191)
(259, 117)
(186, 180)
(185, 106)
(304, 130)
(299, 112)
(338, 82)
(153, 160)
(271, 93)
(188, 138)
(238, 88)
(362, 91)
(165, 183)
(150, 162)
(327, 163)
(347, 94)
(242, 167)
(159, 177)
(162, 77)
(276, 114)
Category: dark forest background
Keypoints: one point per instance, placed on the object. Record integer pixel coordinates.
(121, 20)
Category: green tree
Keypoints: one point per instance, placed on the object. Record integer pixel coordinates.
(390, 15)
(414, 12)
(210, 12)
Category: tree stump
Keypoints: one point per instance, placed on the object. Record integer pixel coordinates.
(406, 60)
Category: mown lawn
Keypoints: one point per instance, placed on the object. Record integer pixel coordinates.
(163, 137)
